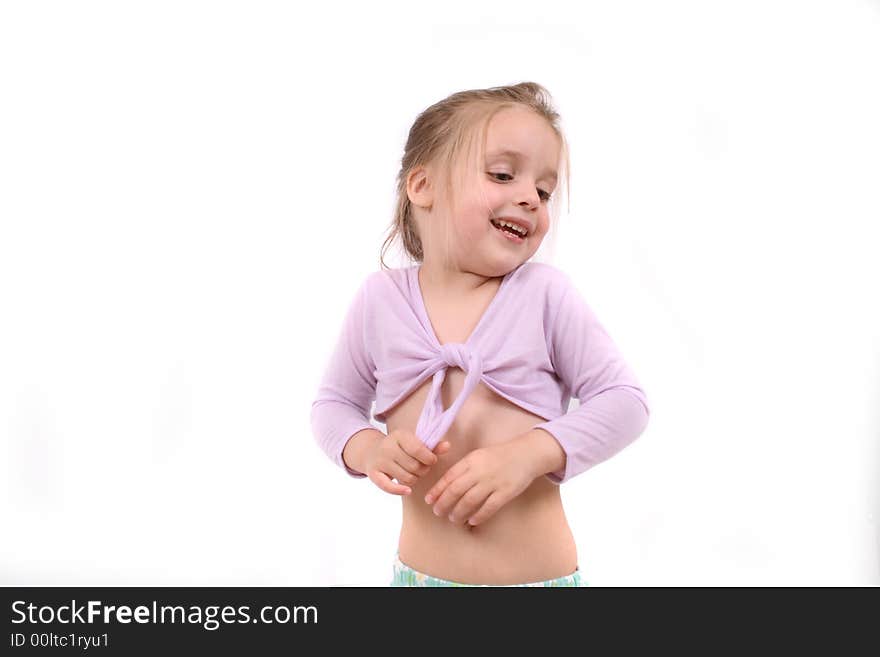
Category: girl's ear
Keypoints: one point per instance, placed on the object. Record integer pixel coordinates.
(418, 187)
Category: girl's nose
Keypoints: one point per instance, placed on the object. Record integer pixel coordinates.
(527, 194)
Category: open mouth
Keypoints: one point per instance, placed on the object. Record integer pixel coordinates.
(510, 233)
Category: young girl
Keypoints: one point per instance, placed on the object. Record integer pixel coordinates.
(473, 354)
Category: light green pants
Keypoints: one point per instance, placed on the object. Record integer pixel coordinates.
(406, 576)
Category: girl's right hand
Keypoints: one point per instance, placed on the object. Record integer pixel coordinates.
(401, 456)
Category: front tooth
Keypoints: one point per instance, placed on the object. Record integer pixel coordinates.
(521, 231)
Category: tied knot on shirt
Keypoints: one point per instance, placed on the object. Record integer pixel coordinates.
(456, 354)
(434, 422)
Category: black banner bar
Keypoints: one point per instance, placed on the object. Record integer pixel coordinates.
(174, 620)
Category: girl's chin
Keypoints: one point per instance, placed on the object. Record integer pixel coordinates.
(508, 259)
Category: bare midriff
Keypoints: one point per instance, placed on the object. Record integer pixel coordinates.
(526, 540)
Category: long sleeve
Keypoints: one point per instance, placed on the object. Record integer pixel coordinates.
(613, 409)
(347, 388)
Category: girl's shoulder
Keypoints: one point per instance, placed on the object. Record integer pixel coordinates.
(390, 284)
(398, 277)
(545, 277)
(543, 271)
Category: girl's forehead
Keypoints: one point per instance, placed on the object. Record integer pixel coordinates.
(523, 134)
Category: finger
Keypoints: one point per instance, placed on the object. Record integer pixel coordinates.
(384, 482)
(407, 462)
(492, 503)
(402, 474)
(453, 493)
(471, 501)
(440, 485)
(418, 450)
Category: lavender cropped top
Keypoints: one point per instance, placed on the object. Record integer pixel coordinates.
(537, 344)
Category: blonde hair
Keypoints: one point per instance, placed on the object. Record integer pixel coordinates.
(446, 133)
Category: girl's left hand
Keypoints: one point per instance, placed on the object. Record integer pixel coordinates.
(482, 482)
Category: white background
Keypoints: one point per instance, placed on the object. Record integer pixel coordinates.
(190, 194)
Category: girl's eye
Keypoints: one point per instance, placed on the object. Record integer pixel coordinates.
(544, 195)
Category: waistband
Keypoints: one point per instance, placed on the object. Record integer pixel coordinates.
(406, 576)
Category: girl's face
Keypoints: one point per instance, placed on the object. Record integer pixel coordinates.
(513, 185)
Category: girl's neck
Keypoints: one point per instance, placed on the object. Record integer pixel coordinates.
(450, 280)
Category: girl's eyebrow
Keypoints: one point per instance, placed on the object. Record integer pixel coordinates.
(516, 154)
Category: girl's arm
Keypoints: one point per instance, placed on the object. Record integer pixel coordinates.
(613, 409)
(347, 389)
